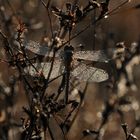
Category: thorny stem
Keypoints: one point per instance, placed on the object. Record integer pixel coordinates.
(49, 16)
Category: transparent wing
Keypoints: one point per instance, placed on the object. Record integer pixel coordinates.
(44, 68)
(91, 55)
(100, 55)
(36, 48)
(91, 74)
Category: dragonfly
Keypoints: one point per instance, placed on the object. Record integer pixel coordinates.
(70, 63)
(78, 69)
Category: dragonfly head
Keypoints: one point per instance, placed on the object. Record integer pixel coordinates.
(68, 48)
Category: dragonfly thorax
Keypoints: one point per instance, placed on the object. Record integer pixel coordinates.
(68, 52)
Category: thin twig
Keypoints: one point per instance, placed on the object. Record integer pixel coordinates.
(49, 16)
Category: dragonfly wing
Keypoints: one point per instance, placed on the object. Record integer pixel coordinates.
(40, 50)
(91, 74)
(100, 55)
(44, 68)
(92, 56)
(36, 48)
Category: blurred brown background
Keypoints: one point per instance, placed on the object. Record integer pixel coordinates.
(122, 26)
